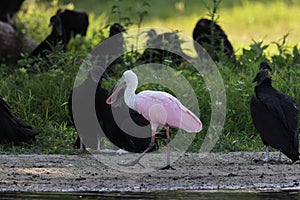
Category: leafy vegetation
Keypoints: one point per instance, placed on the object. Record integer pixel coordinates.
(41, 98)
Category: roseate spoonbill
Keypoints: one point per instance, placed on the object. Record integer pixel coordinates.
(115, 133)
(160, 108)
(275, 116)
(14, 129)
(105, 116)
(213, 39)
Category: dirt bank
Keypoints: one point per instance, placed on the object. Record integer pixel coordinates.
(236, 170)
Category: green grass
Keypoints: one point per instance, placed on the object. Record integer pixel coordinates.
(41, 99)
(242, 20)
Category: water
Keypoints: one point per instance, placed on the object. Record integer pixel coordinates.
(207, 195)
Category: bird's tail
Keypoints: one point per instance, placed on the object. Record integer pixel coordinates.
(190, 122)
(24, 132)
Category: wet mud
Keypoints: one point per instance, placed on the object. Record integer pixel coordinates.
(214, 171)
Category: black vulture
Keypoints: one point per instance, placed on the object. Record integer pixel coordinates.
(115, 29)
(51, 40)
(8, 8)
(106, 118)
(65, 24)
(158, 46)
(73, 22)
(81, 102)
(265, 65)
(12, 128)
(275, 116)
(115, 48)
(213, 39)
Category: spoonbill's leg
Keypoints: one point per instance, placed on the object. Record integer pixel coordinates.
(136, 161)
(168, 166)
(98, 142)
(168, 145)
(279, 157)
(81, 147)
(266, 159)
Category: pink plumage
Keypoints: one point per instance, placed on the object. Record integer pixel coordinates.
(161, 108)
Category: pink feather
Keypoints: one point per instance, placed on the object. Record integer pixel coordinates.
(161, 108)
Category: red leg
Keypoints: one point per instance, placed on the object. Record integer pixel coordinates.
(168, 166)
(136, 161)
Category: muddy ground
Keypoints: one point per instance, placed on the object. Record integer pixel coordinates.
(71, 173)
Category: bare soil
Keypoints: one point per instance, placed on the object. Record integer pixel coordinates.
(74, 173)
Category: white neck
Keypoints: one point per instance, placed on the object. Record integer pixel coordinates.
(129, 95)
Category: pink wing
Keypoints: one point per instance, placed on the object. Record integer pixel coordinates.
(161, 108)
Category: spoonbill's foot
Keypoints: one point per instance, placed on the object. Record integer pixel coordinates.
(265, 160)
(121, 152)
(269, 161)
(102, 151)
(167, 167)
(133, 163)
